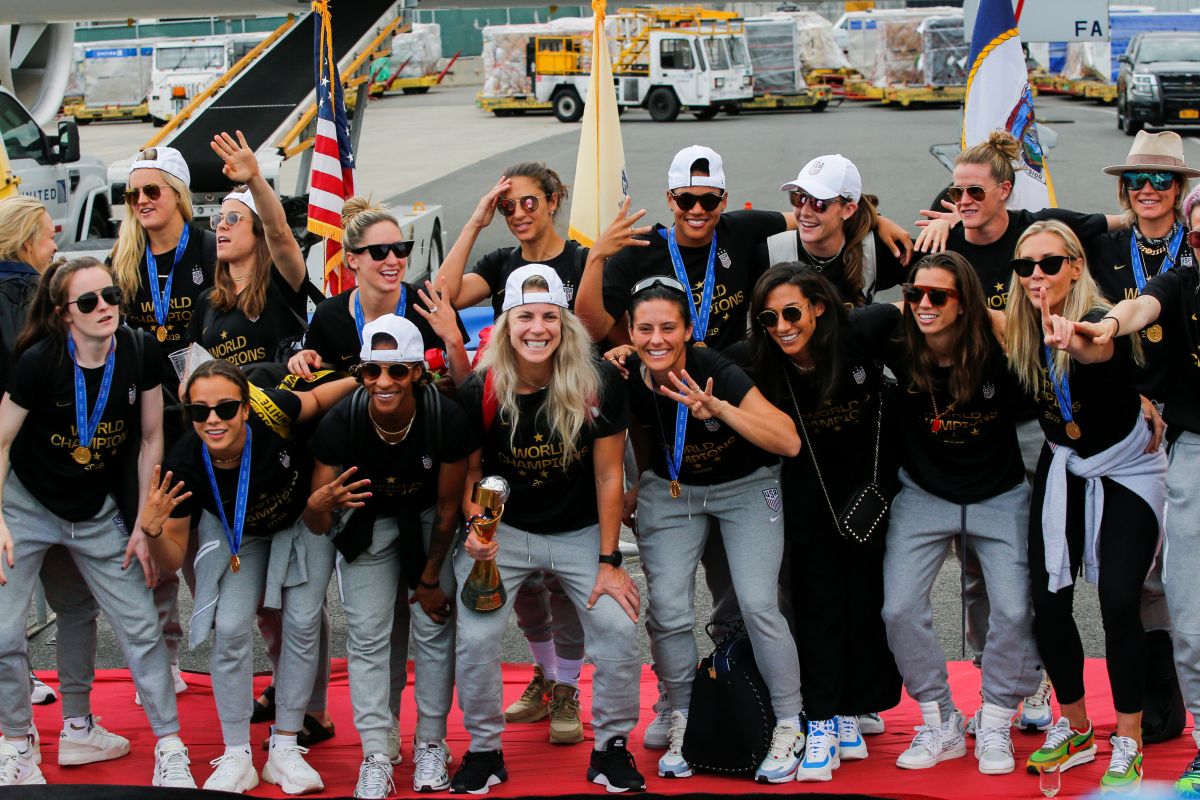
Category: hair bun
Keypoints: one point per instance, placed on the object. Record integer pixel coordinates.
(354, 206)
(1004, 143)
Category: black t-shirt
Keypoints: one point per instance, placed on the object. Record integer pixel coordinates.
(1177, 291)
(280, 470)
(736, 268)
(545, 498)
(333, 332)
(43, 382)
(193, 277)
(233, 336)
(1104, 399)
(496, 266)
(403, 475)
(713, 452)
(992, 261)
(889, 271)
(1109, 263)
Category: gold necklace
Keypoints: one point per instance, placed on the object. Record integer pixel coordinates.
(1152, 251)
(384, 433)
(936, 425)
(233, 460)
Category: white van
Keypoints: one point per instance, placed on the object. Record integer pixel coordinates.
(184, 68)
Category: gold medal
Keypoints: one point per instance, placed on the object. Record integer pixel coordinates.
(1073, 430)
(82, 455)
(1154, 333)
(675, 490)
(699, 344)
(235, 563)
(161, 333)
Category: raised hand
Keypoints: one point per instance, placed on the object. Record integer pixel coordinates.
(340, 494)
(240, 164)
(161, 500)
(622, 232)
(1057, 331)
(437, 310)
(485, 211)
(699, 401)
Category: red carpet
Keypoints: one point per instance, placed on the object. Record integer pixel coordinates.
(538, 768)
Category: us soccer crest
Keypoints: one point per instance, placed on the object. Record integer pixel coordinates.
(724, 258)
(712, 425)
(989, 391)
(197, 275)
(774, 501)
(426, 462)
(285, 459)
(132, 393)
(860, 375)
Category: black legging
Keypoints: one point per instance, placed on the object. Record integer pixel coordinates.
(1128, 537)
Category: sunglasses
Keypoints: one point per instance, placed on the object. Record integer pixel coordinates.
(802, 199)
(791, 313)
(231, 218)
(87, 302)
(226, 410)
(657, 280)
(152, 190)
(687, 200)
(1050, 265)
(373, 370)
(976, 193)
(1193, 239)
(937, 296)
(529, 204)
(1159, 181)
(380, 251)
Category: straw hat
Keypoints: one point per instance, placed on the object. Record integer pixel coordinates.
(1155, 152)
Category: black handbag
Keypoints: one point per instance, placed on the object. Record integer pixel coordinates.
(730, 718)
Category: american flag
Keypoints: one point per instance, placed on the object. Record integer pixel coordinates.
(332, 179)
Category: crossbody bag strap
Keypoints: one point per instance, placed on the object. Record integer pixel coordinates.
(808, 443)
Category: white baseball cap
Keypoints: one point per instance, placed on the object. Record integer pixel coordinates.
(410, 348)
(514, 296)
(167, 159)
(242, 197)
(680, 176)
(827, 177)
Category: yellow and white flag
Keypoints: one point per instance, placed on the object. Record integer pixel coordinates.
(600, 181)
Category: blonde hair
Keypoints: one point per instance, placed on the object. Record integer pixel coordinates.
(574, 382)
(1023, 324)
(130, 250)
(1000, 151)
(253, 299)
(1183, 183)
(359, 214)
(20, 222)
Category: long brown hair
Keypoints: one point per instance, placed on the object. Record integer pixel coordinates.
(45, 320)
(253, 299)
(972, 339)
(856, 228)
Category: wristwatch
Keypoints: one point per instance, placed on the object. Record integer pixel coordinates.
(613, 559)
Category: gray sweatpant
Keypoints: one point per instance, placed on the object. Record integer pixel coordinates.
(75, 612)
(1181, 554)
(270, 625)
(544, 612)
(921, 529)
(372, 587)
(238, 598)
(610, 635)
(671, 537)
(166, 603)
(97, 548)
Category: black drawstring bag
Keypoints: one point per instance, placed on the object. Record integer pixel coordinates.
(730, 718)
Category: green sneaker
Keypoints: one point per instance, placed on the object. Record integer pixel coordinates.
(1188, 784)
(1124, 773)
(1064, 748)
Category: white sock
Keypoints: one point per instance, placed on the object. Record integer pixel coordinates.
(794, 720)
(237, 748)
(568, 670)
(279, 740)
(77, 728)
(19, 742)
(543, 655)
(931, 713)
(681, 711)
(994, 716)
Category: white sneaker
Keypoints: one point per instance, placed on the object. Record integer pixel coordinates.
(429, 766)
(172, 767)
(17, 768)
(35, 744)
(234, 773)
(176, 676)
(658, 730)
(98, 745)
(783, 756)
(1036, 712)
(820, 751)
(375, 777)
(672, 764)
(851, 745)
(287, 769)
(994, 749)
(395, 742)
(40, 694)
(870, 724)
(936, 741)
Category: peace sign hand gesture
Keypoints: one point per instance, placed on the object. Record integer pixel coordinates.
(699, 401)
(338, 494)
(240, 164)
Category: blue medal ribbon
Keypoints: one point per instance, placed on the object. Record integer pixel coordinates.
(86, 424)
(1135, 257)
(360, 319)
(699, 315)
(675, 461)
(1062, 391)
(162, 300)
(233, 537)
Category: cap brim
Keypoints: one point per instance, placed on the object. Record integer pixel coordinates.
(1117, 169)
(815, 189)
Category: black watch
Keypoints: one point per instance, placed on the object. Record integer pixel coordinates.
(613, 559)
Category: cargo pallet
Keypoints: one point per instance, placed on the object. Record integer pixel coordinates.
(904, 96)
(511, 106)
(847, 83)
(84, 114)
(815, 98)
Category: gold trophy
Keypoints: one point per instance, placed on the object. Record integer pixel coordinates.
(484, 591)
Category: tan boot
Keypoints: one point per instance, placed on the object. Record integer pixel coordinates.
(533, 703)
(565, 725)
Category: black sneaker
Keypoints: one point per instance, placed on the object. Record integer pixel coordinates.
(613, 768)
(479, 772)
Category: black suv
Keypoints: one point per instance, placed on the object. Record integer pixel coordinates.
(1159, 81)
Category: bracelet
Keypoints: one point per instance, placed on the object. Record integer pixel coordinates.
(424, 585)
(153, 535)
(1114, 319)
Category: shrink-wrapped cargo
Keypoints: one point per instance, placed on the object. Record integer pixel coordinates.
(774, 47)
(417, 50)
(944, 52)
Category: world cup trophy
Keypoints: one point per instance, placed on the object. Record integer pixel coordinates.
(483, 590)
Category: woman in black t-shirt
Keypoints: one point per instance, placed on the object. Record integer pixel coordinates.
(83, 409)
(962, 482)
(246, 482)
(810, 359)
(552, 424)
(391, 461)
(257, 300)
(1097, 499)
